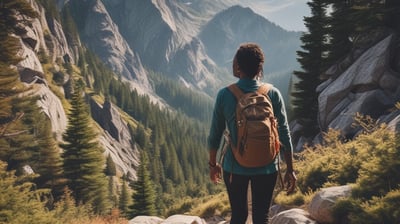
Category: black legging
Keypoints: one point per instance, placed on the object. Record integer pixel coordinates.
(262, 187)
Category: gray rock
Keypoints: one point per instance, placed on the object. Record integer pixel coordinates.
(292, 216)
(368, 86)
(146, 220)
(321, 205)
(174, 219)
(183, 219)
(116, 138)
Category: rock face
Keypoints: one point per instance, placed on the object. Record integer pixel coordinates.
(31, 70)
(114, 134)
(102, 36)
(116, 138)
(370, 86)
(164, 33)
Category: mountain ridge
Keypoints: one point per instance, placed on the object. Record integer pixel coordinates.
(165, 37)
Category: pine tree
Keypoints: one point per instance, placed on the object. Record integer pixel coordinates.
(124, 199)
(111, 169)
(19, 142)
(83, 159)
(19, 203)
(311, 58)
(48, 162)
(367, 15)
(340, 30)
(144, 194)
(392, 14)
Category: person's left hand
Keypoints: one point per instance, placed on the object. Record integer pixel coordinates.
(215, 173)
(290, 182)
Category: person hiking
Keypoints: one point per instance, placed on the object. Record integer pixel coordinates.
(248, 67)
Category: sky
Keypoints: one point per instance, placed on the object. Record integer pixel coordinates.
(288, 14)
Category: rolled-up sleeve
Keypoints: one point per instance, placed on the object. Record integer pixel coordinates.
(280, 114)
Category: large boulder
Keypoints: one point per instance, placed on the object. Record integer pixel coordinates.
(174, 219)
(321, 205)
(183, 219)
(292, 216)
(146, 220)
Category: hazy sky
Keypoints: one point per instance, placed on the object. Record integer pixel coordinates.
(285, 13)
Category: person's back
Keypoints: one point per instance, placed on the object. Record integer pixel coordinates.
(247, 66)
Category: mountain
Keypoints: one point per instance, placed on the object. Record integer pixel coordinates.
(231, 27)
(173, 38)
(235, 25)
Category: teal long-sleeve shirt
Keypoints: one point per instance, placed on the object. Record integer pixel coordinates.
(224, 117)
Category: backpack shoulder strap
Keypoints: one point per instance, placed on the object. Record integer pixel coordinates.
(236, 90)
(264, 88)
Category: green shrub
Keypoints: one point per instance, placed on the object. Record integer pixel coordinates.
(370, 163)
(378, 174)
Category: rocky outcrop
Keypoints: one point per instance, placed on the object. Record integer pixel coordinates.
(368, 86)
(116, 138)
(46, 36)
(366, 81)
(42, 39)
(31, 73)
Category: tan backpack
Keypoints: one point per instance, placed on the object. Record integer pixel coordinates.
(257, 134)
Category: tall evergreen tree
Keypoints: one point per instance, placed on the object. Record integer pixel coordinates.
(392, 14)
(84, 163)
(340, 30)
(48, 162)
(144, 194)
(111, 169)
(311, 59)
(124, 199)
(367, 15)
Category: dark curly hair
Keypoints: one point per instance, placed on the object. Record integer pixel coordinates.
(250, 59)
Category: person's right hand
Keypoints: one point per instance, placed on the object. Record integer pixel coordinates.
(290, 182)
(215, 174)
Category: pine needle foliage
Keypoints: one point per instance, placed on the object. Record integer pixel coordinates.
(144, 195)
(312, 61)
(84, 163)
(19, 203)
